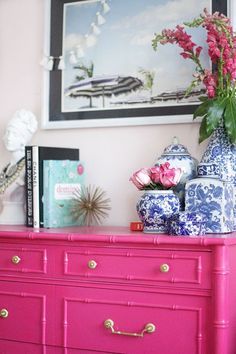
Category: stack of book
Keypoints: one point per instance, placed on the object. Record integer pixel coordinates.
(52, 176)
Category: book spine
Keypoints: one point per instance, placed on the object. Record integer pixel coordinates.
(41, 182)
(46, 196)
(35, 160)
(29, 185)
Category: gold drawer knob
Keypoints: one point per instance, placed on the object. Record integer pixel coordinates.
(164, 268)
(92, 264)
(4, 313)
(15, 259)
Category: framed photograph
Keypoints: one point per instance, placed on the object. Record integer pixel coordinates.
(101, 69)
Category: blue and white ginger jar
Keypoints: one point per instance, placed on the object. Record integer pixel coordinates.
(178, 156)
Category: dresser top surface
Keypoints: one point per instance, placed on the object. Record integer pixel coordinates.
(110, 234)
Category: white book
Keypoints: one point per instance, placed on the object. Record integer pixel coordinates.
(29, 186)
(36, 213)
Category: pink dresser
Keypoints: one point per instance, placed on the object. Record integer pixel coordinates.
(109, 290)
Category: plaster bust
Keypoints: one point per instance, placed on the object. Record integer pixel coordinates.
(19, 132)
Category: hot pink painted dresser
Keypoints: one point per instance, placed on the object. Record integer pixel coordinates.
(109, 290)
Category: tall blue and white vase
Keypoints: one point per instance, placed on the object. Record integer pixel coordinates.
(222, 153)
(155, 208)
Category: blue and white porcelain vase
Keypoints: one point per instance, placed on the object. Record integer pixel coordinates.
(222, 153)
(178, 156)
(213, 199)
(155, 208)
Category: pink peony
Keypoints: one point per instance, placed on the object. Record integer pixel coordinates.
(155, 174)
(157, 177)
(141, 178)
(170, 177)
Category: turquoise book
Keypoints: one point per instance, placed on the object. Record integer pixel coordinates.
(61, 179)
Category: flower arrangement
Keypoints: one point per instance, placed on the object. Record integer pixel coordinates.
(220, 103)
(157, 177)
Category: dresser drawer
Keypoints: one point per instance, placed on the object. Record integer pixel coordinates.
(12, 347)
(23, 259)
(150, 267)
(133, 322)
(24, 312)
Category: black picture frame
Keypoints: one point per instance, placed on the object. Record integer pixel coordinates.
(53, 117)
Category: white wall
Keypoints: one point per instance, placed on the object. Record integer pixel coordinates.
(110, 154)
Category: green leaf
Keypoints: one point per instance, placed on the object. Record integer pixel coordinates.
(213, 113)
(204, 131)
(190, 88)
(203, 98)
(195, 23)
(202, 109)
(230, 119)
(156, 40)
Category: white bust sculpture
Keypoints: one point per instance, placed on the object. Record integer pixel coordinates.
(19, 132)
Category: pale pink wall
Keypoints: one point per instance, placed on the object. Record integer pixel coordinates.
(110, 154)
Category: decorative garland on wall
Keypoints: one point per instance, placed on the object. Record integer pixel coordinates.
(89, 40)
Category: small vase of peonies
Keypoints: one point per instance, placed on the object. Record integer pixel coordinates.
(158, 203)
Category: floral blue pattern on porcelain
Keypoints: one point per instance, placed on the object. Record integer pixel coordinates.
(178, 156)
(187, 224)
(221, 152)
(205, 169)
(213, 199)
(155, 207)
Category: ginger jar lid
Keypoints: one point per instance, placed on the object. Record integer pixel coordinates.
(175, 148)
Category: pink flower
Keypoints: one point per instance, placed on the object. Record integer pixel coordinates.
(141, 178)
(211, 91)
(233, 75)
(198, 51)
(180, 37)
(169, 177)
(221, 49)
(157, 177)
(186, 55)
(210, 81)
(220, 82)
(155, 174)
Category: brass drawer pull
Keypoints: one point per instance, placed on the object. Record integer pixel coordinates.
(92, 264)
(164, 268)
(149, 328)
(4, 313)
(15, 259)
